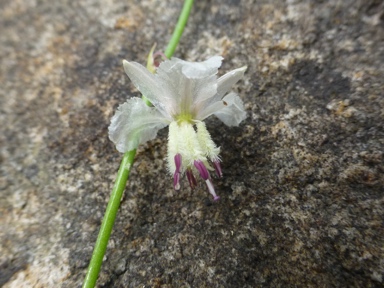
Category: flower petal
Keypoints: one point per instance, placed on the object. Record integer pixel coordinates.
(188, 83)
(193, 70)
(134, 123)
(233, 112)
(225, 82)
(148, 85)
(198, 70)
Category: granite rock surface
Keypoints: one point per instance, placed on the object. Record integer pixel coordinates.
(302, 197)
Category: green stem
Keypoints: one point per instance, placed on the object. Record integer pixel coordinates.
(109, 220)
(179, 28)
(123, 173)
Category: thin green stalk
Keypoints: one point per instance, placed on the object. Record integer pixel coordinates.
(179, 28)
(123, 173)
(109, 220)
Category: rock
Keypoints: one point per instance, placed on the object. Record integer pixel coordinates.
(302, 193)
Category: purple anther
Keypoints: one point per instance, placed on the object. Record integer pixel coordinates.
(211, 190)
(176, 181)
(176, 175)
(177, 162)
(191, 178)
(217, 166)
(202, 169)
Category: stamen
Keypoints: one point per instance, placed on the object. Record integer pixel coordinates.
(191, 178)
(176, 175)
(176, 181)
(211, 190)
(178, 162)
(202, 169)
(216, 164)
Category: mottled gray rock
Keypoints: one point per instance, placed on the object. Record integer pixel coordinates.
(302, 194)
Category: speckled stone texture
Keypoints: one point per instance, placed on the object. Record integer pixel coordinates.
(302, 198)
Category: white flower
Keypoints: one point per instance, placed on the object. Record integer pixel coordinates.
(183, 95)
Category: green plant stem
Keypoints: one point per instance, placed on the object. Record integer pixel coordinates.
(109, 219)
(179, 28)
(123, 173)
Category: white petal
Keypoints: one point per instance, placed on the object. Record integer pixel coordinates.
(233, 113)
(149, 86)
(230, 110)
(203, 79)
(191, 69)
(134, 123)
(208, 109)
(188, 83)
(225, 82)
(198, 70)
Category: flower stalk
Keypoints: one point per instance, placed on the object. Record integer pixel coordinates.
(123, 173)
